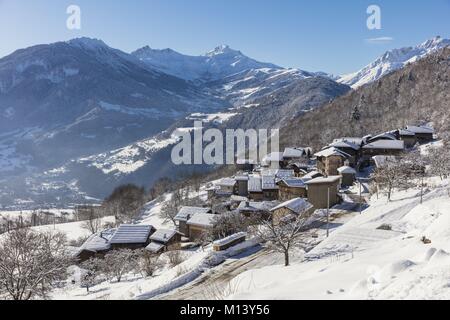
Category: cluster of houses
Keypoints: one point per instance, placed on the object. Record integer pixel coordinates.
(302, 181)
(129, 236)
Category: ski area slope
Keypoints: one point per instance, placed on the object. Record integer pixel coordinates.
(360, 261)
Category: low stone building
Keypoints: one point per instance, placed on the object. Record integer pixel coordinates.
(323, 192)
(259, 210)
(255, 191)
(96, 246)
(330, 159)
(226, 187)
(408, 137)
(242, 185)
(423, 133)
(383, 148)
(199, 225)
(291, 208)
(292, 188)
(185, 214)
(348, 176)
(164, 240)
(269, 188)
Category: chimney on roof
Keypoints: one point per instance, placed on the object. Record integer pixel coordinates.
(102, 237)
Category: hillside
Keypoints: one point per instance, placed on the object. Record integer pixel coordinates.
(418, 93)
(360, 261)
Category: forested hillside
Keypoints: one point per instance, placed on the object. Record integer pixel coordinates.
(418, 93)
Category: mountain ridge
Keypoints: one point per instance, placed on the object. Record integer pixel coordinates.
(393, 60)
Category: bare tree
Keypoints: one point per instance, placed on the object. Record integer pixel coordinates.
(147, 263)
(32, 263)
(118, 263)
(170, 209)
(91, 217)
(179, 198)
(227, 224)
(415, 164)
(175, 258)
(90, 272)
(125, 202)
(283, 234)
(390, 175)
(439, 159)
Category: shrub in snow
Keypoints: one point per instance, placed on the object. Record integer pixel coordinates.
(385, 226)
(147, 263)
(175, 258)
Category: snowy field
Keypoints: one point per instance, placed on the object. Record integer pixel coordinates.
(26, 214)
(73, 230)
(360, 261)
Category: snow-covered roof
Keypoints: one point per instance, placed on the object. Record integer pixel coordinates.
(345, 144)
(312, 175)
(241, 177)
(385, 136)
(404, 132)
(238, 198)
(354, 140)
(186, 212)
(99, 241)
(226, 182)
(346, 169)
(163, 236)
(268, 183)
(132, 234)
(278, 173)
(321, 180)
(386, 144)
(245, 161)
(255, 206)
(332, 152)
(230, 239)
(254, 184)
(154, 247)
(202, 220)
(295, 182)
(420, 129)
(293, 153)
(296, 205)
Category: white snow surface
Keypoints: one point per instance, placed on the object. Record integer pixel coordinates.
(359, 261)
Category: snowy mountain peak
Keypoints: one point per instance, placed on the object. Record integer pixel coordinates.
(393, 60)
(216, 64)
(147, 50)
(87, 43)
(221, 50)
(434, 42)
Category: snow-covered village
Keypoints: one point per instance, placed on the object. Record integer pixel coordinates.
(350, 202)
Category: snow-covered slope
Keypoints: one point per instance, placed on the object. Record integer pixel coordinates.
(228, 72)
(391, 61)
(218, 63)
(360, 261)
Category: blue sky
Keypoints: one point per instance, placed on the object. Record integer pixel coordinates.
(320, 35)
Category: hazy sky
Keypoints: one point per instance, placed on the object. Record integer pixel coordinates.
(315, 35)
